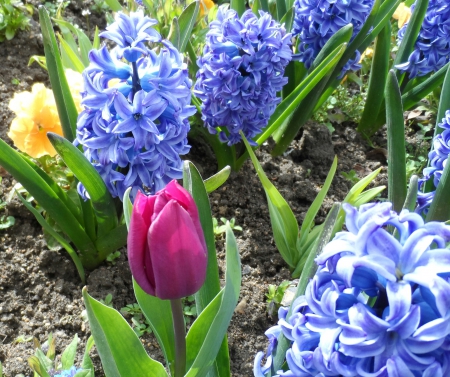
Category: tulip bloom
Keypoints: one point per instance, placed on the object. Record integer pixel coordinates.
(166, 246)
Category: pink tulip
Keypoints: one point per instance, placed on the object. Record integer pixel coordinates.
(166, 246)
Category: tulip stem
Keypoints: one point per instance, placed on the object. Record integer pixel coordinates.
(180, 337)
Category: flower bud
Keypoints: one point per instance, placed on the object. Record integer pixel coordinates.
(166, 246)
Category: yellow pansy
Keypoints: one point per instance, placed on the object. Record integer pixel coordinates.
(402, 14)
(36, 115)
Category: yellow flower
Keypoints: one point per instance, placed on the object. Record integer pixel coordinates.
(75, 81)
(402, 14)
(36, 115)
(205, 6)
(366, 54)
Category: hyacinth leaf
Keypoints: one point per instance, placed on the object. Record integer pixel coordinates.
(281, 10)
(411, 97)
(359, 187)
(157, 313)
(440, 208)
(217, 180)
(412, 31)
(315, 206)
(288, 105)
(326, 232)
(87, 361)
(120, 349)
(48, 199)
(127, 207)
(102, 201)
(411, 196)
(288, 18)
(68, 356)
(377, 81)
(45, 225)
(284, 223)
(186, 23)
(64, 102)
(83, 373)
(367, 196)
(96, 41)
(114, 5)
(76, 63)
(174, 34)
(396, 144)
(203, 340)
(193, 182)
(111, 241)
(239, 6)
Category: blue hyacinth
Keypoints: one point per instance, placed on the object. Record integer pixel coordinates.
(432, 48)
(437, 160)
(316, 21)
(240, 73)
(66, 373)
(378, 305)
(134, 125)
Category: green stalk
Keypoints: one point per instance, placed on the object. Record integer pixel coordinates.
(180, 337)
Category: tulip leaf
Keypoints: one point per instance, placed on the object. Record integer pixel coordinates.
(396, 144)
(43, 192)
(284, 223)
(120, 349)
(205, 337)
(186, 23)
(217, 180)
(102, 201)
(157, 312)
(64, 102)
(326, 232)
(66, 245)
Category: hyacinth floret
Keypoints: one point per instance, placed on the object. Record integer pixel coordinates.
(136, 101)
(65, 373)
(437, 160)
(432, 48)
(378, 305)
(240, 73)
(316, 21)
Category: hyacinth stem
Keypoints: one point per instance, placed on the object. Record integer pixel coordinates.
(180, 337)
(136, 82)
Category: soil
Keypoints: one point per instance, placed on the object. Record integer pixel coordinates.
(40, 291)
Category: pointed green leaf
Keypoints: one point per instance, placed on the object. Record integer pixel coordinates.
(186, 23)
(114, 5)
(174, 34)
(205, 336)
(411, 197)
(74, 59)
(217, 180)
(281, 10)
(127, 207)
(87, 362)
(239, 6)
(64, 102)
(288, 19)
(440, 208)
(102, 201)
(68, 356)
(157, 312)
(120, 350)
(396, 144)
(284, 223)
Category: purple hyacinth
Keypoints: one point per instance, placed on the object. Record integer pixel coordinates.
(432, 48)
(134, 124)
(378, 306)
(316, 21)
(437, 160)
(240, 73)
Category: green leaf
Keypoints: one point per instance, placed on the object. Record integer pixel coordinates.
(56, 236)
(186, 23)
(114, 5)
(37, 367)
(326, 232)
(281, 10)
(127, 207)
(96, 42)
(315, 206)
(206, 334)
(217, 180)
(174, 34)
(396, 144)
(288, 18)
(74, 59)
(440, 208)
(68, 356)
(111, 241)
(377, 81)
(239, 6)
(120, 350)
(43, 193)
(284, 223)
(158, 314)
(64, 102)
(411, 197)
(87, 362)
(102, 201)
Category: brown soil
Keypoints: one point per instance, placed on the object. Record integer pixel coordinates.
(40, 291)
